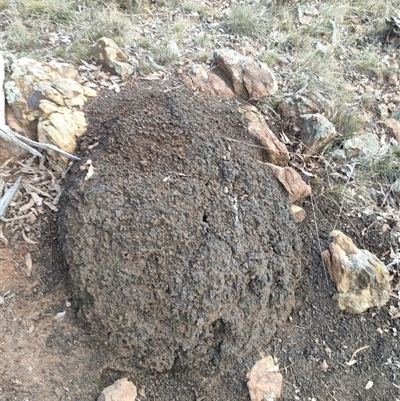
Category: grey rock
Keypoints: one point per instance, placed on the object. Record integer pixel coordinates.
(396, 115)
(316, 132)
(361, 146)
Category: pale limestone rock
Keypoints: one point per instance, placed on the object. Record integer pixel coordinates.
(264, 381)
(31, 81)
(121, 390)
(362, 280)
(46, 99)
(173, 49)
(317, 131)
(276, 150)
(60, 126)
(393, 79)
(292, 182)
(113, 58)
(198, 77)
(249, 78)
(307, 14)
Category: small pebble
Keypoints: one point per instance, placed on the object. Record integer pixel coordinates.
(369, 385)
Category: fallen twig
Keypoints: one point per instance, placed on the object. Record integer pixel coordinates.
(7, 134)
(352, 360)
(8, 196)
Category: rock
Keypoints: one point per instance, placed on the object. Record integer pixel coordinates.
(198, 77)
(317, 131)
(37, 90)
(292, 182)
(299, 214)
(361, 146)
(396, 115)
(264, 381)
(338, 155)
(393, 79)
(195, 266)
(362, 280)
(383, 110)
(307, 14)
(276, 150)
(60, 126)
(393, 127)
(121, 390)
(292, 107)
(113, 58)
(249, 78)
(173, 50)
(9, 149)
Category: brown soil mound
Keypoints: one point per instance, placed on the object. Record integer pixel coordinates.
(181, 245)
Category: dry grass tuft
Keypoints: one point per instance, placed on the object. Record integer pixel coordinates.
(4, 4)
(246, 20)
(48, 10)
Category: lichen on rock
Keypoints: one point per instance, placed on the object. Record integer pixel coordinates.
(362, 280)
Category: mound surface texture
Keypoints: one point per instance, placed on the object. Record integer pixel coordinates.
(181, 247)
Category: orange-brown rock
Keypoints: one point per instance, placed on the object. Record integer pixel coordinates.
(276, 150)
(198, 77)
(264, 381)
(9, 149)
(292, 182)
(249, 78)
(393, 127)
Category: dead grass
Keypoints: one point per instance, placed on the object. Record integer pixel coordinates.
(246, 19)
(384, 169)
(370, 63)
(48, 10)
(340, 41)
(4, 4)
(110, 21)
(20, 36)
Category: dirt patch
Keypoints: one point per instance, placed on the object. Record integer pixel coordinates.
(61, 358)
(319, 332)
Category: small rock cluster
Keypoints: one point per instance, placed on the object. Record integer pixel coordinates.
(243, 76)
(47, 102)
